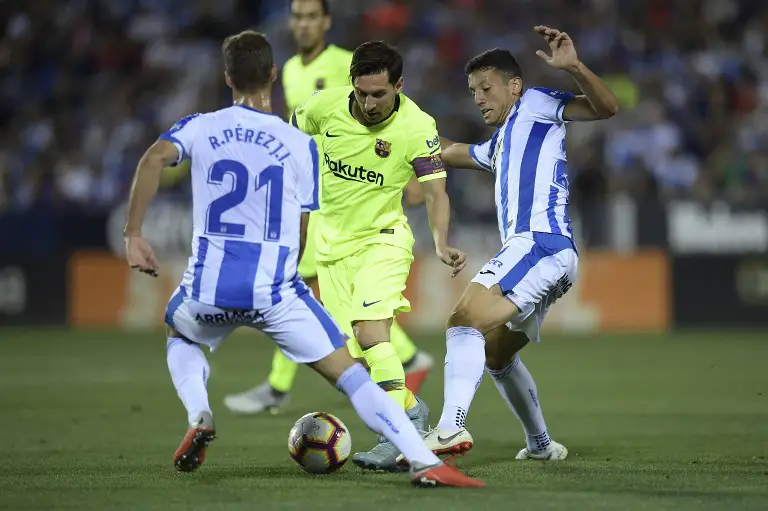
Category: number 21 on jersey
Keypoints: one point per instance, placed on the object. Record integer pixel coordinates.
(271, 179)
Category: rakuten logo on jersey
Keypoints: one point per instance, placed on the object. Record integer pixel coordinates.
(350, 173)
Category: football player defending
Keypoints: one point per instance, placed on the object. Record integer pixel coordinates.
(254, 181)
(374, 139)
(319, 66)
(503, 307)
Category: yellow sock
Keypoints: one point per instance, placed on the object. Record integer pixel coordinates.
(387, 370)
(403, 344)
(406, 350)
(283, 372)
(410, 399)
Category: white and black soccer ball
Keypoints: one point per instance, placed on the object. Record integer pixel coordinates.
(320, 443)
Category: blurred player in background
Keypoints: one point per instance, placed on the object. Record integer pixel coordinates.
(503, 307)
(320, 66)
(255, 180)
(374, 140)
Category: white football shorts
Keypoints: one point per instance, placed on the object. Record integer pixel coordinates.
(533, 270)
(301, 327)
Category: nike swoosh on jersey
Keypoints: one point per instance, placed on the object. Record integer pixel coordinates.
(369, 304)
(328, 134)
(486, 272)
(444, 441)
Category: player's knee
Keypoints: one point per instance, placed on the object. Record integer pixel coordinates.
(371, 333)
(497, 361)
(482, 309)
(494, 364)
(463, 316)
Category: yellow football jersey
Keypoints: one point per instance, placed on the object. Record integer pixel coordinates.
(329, 69)
(366, 170)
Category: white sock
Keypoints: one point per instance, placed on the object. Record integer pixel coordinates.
(383, 415)
(189, 371)
(464, 364)
(518, 389)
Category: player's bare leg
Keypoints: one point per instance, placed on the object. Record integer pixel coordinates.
(388, 373)
(189, 371)
(385, 417)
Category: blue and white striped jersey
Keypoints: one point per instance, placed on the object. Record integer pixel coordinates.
(252, 177)
(527, 155)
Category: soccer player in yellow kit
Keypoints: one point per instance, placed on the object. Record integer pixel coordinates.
(320, 66)
(374, 139)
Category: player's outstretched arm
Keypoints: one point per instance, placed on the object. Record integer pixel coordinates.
(144, 188)
(598, 101)
(458, 155)
(439, 213)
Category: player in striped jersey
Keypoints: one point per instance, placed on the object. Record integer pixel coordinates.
(254, 182)
(505, 304)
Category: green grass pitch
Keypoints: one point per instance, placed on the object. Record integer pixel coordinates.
(91, 421)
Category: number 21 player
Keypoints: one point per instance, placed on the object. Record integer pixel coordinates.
(254, 182)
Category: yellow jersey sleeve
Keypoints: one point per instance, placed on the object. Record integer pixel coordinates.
(308, 116)
(424, 152)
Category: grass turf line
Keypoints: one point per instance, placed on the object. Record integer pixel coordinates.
(651, 422)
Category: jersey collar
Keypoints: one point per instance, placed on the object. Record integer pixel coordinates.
(316, 56)
(381, 122)
(254, 110)
(514, 109)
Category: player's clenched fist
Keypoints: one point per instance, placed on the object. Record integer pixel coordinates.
(453, 257)
(140, 255)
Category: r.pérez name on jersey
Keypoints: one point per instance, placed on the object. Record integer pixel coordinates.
(350, 173)
(248, 136)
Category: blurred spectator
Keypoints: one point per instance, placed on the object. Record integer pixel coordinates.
(87, 84)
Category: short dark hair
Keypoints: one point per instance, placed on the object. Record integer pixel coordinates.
(323, 3)
(375, 57)
(248, 60)
(500, 60)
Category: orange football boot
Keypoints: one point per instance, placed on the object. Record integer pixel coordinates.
(191, 452)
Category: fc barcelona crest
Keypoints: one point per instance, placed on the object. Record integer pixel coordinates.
(383, 148)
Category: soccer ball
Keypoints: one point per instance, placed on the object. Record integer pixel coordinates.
(320, 443)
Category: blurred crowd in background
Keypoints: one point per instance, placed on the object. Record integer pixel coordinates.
(87, 85)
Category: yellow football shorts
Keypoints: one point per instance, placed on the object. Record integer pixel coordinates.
(308, 264)
(367, 285)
